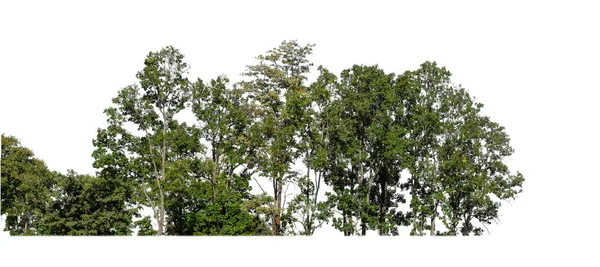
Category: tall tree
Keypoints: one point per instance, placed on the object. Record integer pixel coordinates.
(214, 198)
(430, 86)
(150, 154)
(224, 121)
(367, 151)
(458, 174)
(276, 92)
(475, 178)
(305, 208)
(26, 184)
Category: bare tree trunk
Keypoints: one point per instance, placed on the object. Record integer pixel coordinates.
(278, 211)
(161, 220)
(344, 223)
(432, 231)
(307, 202)
(278, 190)
(214, 174)
(382, 203)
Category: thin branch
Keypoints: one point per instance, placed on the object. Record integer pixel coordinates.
(486, 229)
(259, 185)
(151, 154)
(285, 195)
(151, 203)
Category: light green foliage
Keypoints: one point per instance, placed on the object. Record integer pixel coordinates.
(278, 101)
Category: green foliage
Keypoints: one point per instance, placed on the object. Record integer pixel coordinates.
(278, 100)
(145, 227)
(86, 205)
(153, 157)
(458, 169)
(26, 184)
(305, 208)
(357, 134)
(367, 151)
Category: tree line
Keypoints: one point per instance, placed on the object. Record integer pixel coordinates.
(366, 150)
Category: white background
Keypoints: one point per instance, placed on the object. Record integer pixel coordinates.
(533, 64)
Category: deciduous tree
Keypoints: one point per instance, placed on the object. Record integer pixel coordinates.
(276, 92)
(26, 184)
(151, 153)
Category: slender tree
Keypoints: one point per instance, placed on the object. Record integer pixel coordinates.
(276, 92)
(430, 86)
(149, 154)
(305, 208)
(214, 199)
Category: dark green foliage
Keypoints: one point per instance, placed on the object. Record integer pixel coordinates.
(458, 153)
(367, 151)
(26, 184)
(228, 215)
(305, 208)
(368, 136)
(86, 205)
(145, 227)
(153, 157)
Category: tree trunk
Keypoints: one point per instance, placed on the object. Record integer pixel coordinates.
(161, 220)
(26, 229)
(307, 207)
(344, 223)
(278, 211)
(363, 226)
(214, 174)
(432, 231)
(382, 208)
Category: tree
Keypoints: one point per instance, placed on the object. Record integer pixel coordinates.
(26, 184)
(429, 86)
(367, 151)
(145, 227)
(223, 122)
(224, 118)
(474, 176)
(149, 157)
(276, 92)
(306, 209)
(87, 205)
(458, 169)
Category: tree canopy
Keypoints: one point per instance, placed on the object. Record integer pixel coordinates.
(362, 150)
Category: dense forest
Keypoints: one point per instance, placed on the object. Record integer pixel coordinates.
(365, 150)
